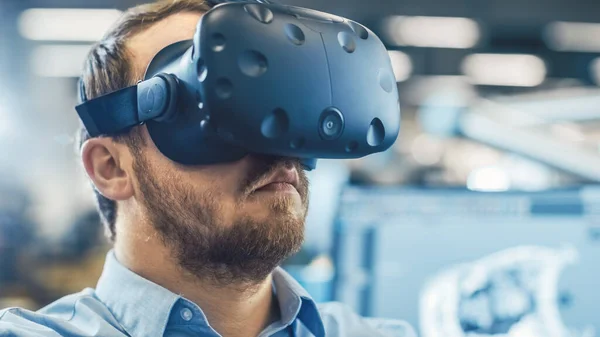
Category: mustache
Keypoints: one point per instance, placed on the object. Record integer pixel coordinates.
(263, 167)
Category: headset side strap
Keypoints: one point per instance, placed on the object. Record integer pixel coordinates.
(155, 98)
(110, 113)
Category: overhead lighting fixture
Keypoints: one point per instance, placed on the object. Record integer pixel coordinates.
(518, 70)
(55, 24)
(431, 31)
(401, 64)
(573, 36)
(58, 60)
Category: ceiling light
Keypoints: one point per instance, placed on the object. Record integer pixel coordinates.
(573, 36)
(59, 60)
(55, 24)
(401, 64)
(430, 31)
(518, 70)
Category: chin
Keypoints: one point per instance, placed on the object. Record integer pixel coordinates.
(285, 210)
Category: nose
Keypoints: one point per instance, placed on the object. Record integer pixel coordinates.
(287, 163)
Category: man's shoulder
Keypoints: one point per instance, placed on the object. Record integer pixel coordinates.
(341, 320)
(79, 314)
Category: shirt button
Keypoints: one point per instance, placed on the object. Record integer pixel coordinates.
(186, 314)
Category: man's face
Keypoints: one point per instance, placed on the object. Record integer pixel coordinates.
(231, 222)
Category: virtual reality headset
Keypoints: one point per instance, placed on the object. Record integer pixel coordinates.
(260, 78)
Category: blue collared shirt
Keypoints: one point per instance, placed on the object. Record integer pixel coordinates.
(126, 304)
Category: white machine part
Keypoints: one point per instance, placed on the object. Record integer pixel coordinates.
(507, 294)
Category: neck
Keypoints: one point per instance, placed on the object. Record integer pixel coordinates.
(233, 310)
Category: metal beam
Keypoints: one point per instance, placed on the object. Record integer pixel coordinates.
(530, 143)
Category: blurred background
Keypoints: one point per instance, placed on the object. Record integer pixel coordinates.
(483, 219)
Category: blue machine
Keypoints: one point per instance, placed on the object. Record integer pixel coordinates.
(391, 243)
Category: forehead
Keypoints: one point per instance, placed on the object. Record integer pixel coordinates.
(174, 28)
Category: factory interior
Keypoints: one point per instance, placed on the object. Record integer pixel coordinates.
(482, 219)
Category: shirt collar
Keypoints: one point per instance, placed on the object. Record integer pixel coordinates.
(143, 307)
(296, 303)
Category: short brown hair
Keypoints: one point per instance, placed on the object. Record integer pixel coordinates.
(108, 68)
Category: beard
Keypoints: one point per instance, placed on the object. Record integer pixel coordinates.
(190, 224)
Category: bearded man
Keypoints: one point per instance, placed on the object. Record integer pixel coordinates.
(196, 248)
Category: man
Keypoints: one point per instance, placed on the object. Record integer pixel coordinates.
(196, 248)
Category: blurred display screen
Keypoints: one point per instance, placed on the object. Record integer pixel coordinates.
(457, 263)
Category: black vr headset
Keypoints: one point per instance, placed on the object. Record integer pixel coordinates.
(260, 78)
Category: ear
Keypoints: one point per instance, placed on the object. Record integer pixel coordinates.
(103, 160)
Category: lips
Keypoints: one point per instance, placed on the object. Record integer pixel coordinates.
(281, 180)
